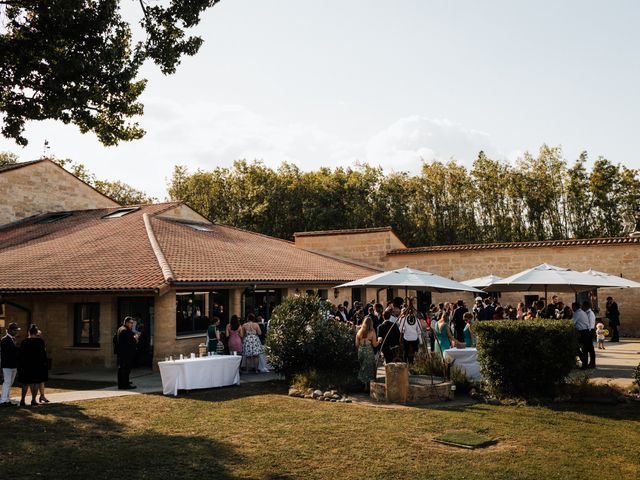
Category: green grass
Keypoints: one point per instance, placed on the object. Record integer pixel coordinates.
(256, 431)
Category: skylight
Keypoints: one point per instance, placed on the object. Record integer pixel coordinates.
(121, 212)
(199, 227)
(54, 217)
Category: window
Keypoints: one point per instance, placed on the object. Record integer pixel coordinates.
(86, 325)
(121, 212)
(199, 226)
(54, 217)
(191, 313)
(195, 309)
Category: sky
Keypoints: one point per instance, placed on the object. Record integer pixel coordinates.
(330, 83)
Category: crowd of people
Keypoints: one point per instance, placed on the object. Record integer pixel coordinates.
(239, 338)
(28, 362)
(397, 330)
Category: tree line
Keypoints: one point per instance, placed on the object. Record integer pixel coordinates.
(538, 197)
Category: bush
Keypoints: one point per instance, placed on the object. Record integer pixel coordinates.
(327, 380)
(526, 357)
(636, 375)
(428, 363)
(301, 340)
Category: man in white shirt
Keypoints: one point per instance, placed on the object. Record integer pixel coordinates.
(8, 362)
(581, 322)
(410, 331)
(586, 306)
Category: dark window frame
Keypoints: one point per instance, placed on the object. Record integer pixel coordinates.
(198, 326)
(121, 212)
(94, 324)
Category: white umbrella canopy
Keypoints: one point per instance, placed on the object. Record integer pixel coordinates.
(411, 278)
(614, 280)
(483, 282)
(547, 276)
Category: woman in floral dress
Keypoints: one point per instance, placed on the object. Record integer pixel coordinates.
(366, 339)
(252, 347)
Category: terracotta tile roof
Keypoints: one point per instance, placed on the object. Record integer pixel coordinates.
(80, 252)
(228, 254)
(87, 252)
(13, 166)
(343, 232)
(533, 244)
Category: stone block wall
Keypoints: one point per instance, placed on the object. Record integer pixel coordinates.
(54, 315)
(45, 187)
(465, 264)
(368, 247)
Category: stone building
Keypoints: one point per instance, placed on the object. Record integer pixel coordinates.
(382, 248)
(77, 267)
(75, 262)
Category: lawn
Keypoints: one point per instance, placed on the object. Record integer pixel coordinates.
(256, 431)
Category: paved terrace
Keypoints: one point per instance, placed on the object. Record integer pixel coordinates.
(615, 364)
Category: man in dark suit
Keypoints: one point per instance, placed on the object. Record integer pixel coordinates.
(389, 337)
(613, 314)
(126, 349)
(458, 321)
(8, 362)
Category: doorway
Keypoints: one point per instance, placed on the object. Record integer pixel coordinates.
(142, 311)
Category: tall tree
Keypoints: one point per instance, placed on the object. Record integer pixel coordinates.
(604, 186)
(8, 158)
(119, 191)
(75, 61)
(578, 195)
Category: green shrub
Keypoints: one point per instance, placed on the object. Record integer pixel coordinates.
(636, 375)
(327, 380)
(301, 340)
(427, 363)
(526, 357)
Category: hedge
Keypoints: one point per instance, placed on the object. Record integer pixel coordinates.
(301, 340)
(527, 358)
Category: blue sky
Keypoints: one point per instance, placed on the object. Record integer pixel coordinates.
(390, 83)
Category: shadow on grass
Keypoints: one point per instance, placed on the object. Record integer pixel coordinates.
(616, 411)
(223, 394)
(62, 441)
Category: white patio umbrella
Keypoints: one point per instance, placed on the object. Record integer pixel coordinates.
(615, 281)
(547, 276)
(410, 278)
(484, 283)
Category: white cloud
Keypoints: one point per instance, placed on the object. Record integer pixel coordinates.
(408, 141)
(207, 135)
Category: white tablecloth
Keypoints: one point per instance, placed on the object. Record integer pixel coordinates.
(466, 359)
(204, 372)
(263, 364)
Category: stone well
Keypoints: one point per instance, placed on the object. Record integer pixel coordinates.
(399, 387)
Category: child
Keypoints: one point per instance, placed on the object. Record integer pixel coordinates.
(600, 334)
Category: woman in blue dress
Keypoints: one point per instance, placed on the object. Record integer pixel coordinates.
(444, 339)
(469, 333)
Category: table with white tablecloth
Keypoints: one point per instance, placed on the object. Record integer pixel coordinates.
(203, 372)
(466, 359)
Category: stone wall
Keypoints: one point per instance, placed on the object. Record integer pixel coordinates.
(465, 264)
(368, 246)
(54, 315)
(184, 213)
(45, 187)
